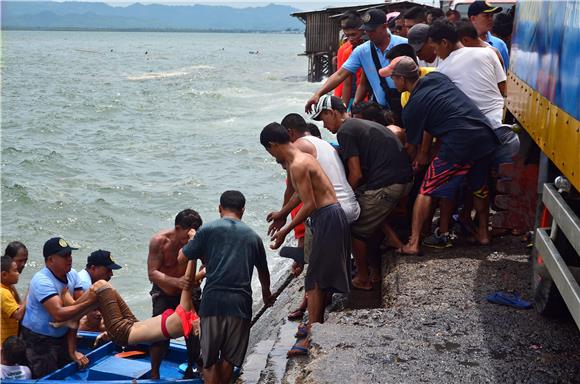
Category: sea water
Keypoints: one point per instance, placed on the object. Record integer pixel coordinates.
(107, 135)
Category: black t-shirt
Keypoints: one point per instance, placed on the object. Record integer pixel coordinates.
(230, 250)
(437, 106)
(382, 157)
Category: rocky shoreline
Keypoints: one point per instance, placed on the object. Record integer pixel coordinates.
(434, 325)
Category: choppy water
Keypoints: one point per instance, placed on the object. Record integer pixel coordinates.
(107, 135)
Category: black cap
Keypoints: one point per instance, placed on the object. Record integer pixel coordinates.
(373, 18)
(56, 245)
(102, 258)
(478, 7)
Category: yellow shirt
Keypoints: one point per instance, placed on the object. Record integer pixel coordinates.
(8, 304)
(422, 72)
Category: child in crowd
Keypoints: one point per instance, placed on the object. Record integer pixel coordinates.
(12, 310)
(14, 360)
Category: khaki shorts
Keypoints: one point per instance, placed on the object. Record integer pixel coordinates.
(375, 207)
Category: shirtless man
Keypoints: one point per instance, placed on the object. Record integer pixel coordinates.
(328, 267)
(168, 275)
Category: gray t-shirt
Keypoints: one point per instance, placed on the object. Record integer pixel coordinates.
(230, 250)
(383, 159)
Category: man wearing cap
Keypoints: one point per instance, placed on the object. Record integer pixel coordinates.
(100, 266)
(378, 171)
(363, 56)
(49, 348)
(412, 17)
(350, 23)
(467, 140)
(418, 37)
(481, 15)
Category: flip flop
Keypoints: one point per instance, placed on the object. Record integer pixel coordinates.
(361, 288)
(127, 354)
(296, 315)
(297, 350)
(509, 299)
(302, 332)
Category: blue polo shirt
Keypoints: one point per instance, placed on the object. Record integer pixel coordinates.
(362, 57)
(43, 286)
(500, 45)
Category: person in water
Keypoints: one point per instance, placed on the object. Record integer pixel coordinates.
(122, 326)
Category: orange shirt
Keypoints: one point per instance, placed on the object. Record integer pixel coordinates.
(341, 56)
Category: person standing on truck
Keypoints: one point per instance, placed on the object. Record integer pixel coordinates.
(481, 15)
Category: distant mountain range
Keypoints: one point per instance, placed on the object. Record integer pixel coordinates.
(49, 15)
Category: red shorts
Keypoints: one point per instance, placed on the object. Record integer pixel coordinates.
(299, 229)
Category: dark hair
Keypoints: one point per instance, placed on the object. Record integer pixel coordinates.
(274, 133)
(389, 116)
(5, 263)
(369, 110)
(452, 12)
(435, 13)
(350, 19)
(13, 247)
(443, 29)
(295, 121)
(188, 218)
(313, 129)
(402, 50)
(416, 13)
(14, 351)
(337, 104)
(465, 28)
(233, 201)
(502, 25)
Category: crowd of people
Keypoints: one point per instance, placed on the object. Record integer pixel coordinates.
(39, 333)
(417, 111)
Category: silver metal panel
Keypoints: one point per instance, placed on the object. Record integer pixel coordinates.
(567, 221)
(566, 283)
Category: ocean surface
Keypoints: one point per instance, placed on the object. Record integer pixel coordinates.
(107, 135)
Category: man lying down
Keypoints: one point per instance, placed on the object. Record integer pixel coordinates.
(122, 326)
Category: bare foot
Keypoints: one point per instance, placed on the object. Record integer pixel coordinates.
(409, 251)
(362, 285)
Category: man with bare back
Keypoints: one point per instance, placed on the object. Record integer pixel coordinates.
(168, 275)
(328, 267)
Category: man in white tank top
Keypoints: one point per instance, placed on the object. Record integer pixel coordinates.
(329, 161)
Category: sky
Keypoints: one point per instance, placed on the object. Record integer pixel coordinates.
(300, 4)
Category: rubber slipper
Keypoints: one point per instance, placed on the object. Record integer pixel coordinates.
(296, 315)
(509, 299)
(297, 350)
(302, 332)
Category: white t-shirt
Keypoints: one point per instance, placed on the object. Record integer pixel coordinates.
(331, 164)
(435, 64)
(14, 372)
(85, 278)
(477, 72)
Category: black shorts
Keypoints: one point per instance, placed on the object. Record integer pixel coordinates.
(224, 338)
(45, 354)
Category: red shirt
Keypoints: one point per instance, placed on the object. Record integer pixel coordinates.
(341, 56)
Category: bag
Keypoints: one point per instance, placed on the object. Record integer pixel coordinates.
(392, 95)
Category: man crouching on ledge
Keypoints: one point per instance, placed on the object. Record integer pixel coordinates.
(329, 267)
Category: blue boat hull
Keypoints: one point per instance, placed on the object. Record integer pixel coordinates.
(105, 368)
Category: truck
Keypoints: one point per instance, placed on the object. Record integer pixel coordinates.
(544, 98)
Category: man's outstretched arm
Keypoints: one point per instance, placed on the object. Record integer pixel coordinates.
(332, 82)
